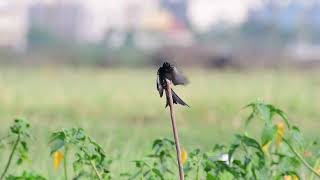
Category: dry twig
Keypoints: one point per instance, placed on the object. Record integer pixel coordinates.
(174, 128)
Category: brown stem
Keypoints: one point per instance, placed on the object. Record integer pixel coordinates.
(174, 127)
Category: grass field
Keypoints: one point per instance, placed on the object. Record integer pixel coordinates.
(122, 110)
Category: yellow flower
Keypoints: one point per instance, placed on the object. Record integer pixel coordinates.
(290, 177)
(265, 148)
(280, 133)
(287, 177)
(318, 170)
(57, 159)
(184, 156)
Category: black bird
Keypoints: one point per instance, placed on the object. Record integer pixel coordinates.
(167, 71)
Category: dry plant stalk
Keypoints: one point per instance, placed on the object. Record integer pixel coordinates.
(174, 128)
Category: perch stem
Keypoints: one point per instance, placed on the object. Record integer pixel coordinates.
(174, 128)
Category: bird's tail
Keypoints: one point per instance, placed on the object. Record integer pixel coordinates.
(176, 100)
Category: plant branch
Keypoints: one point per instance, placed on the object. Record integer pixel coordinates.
(315, 166)
(96, 170)
(301, 158)
(65, 163)
(10, 157)
(197, 175)
(174, 128)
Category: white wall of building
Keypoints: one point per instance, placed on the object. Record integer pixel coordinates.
(13, 24)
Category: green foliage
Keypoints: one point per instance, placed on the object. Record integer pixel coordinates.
(266, 112)
(90, 158)
(160, 164)
(19, 134)
(26, 176)
(279, 151)
(276, 155)
(192, 168)
(20, 129)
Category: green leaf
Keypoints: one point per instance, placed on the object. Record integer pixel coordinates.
(265, 112)
(226, 176)
(26, 176)
(79, 134)
(284, 150)
(158, 173)
(217, 147)
(156, 142)
(21, 127)
(56, 145)
(251, 142)
(287, 164)
(268, 133)
(24, 145)
(297, 137)
(252, 114)
(211, 177)
(77, 166)
(283, 116)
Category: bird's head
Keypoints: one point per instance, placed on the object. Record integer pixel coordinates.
(166, 65)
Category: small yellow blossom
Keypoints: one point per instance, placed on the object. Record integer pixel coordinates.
(318, 169)
(57, 159)
(280, 133)
(265, 148)
(184, 156)
(287, 177)
(290, 177)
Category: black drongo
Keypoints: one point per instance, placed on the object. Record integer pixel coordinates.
(167, 71)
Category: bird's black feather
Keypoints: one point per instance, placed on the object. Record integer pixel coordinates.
(176, 100)
(178, 78)
(159, 86)
(167, 71)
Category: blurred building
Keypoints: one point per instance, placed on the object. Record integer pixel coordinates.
(57, 20)
(293, 16)
(13, 24)
(178, 9)
(152, 24)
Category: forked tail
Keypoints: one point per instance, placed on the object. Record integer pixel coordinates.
(176, 100)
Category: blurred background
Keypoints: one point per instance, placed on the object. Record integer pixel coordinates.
(206, 33)
(92, 64)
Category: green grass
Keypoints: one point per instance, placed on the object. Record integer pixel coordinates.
(122, 110)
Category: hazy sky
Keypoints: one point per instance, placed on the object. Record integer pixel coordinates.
(207, 12)
(203, 13)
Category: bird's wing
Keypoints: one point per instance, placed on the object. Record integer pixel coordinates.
(159, 86)
(178, 77)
